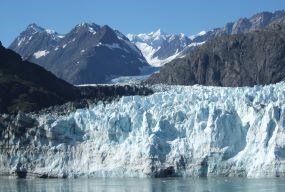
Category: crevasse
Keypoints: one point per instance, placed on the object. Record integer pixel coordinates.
(177, 131)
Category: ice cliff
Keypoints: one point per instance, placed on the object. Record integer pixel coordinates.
(177, 131)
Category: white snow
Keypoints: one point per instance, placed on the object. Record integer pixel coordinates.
(24, 40)
(69, 42)
(196, 44)
(40, 54)
(202, 33)
(197, 35)
(191, 130)
(20, 41)
(50, 31)
(113, 46)
(91, 30)
(148, 52)
(150, 44)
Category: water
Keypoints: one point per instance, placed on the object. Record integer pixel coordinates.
(143, 185)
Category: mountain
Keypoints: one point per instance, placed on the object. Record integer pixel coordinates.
(25, 86)
(34, 38)
(159, 48)
(257, 57)
(89, 53)
(243, 25)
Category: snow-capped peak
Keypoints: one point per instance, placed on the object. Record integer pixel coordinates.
(159, 47)
(50, 31)
(130, 36)
(181, 35)
(201, 33)
(86, 25)
(35, 28)
(149, 37)
(159, 32)
(91, 27)
(83, 24)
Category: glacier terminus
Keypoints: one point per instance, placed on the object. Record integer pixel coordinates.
(177, 131)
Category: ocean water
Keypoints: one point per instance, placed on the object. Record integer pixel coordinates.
(143, 185)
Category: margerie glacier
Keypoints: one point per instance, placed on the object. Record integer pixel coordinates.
(177, 131)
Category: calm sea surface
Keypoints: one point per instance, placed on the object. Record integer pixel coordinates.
(144, 185)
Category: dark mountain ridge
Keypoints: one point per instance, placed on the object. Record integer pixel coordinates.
(25, 86)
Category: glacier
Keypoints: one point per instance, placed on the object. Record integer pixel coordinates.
(177, 131)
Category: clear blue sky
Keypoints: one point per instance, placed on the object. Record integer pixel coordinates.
(128, 16)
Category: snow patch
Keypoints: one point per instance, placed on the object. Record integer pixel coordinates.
(40, 54)
(150, 44)
(148, 52)
(49, 31)
(91, 30)
(196, 44)
(113, 46)
(197, 35)
(21, 41)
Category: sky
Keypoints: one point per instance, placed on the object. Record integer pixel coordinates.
(128, 16)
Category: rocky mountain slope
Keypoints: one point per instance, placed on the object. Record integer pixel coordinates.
(243, 25)
(159, 48)
(249, 59)
(87, 54)
(25, 86)
(33, 39)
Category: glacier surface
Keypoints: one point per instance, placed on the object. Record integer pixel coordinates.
(177, 131)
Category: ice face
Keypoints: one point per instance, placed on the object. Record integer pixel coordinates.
(178, 131)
